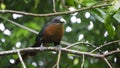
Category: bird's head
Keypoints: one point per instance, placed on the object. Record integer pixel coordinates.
(58, 19)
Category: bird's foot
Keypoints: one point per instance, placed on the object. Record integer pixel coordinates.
(41, 47)
(58, 47)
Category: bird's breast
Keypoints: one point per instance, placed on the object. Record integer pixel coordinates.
(54, 32)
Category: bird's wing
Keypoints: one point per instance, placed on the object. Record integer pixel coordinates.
(40, 35)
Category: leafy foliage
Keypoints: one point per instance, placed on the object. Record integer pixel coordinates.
(96, 26)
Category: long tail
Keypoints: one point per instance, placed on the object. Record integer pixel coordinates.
(26, 54)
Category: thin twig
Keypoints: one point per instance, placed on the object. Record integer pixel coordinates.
(63, 4)
(54, 14)
(80, 43)
(58, 60)
(106, 60)
(19, 25)
(54, 9)
(54, 66)
(21, 60)
(111, 52)
(83, 61)
(105, 45)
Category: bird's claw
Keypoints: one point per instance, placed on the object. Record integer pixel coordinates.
(58, 47)
(41, 47)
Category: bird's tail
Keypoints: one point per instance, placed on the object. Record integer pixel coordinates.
(26, 54)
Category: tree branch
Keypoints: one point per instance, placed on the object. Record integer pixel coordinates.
(112, 52)
(54, 8)
(58, 60)
(105, 45)
(106, 60)
(53, 14)
(19, 25)
(56, 49)
(83, 61)
(21, 60)
(80, 43)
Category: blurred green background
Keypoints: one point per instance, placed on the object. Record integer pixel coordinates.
(96, 26)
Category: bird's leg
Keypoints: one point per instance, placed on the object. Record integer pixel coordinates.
(41, 46)
(58, 47)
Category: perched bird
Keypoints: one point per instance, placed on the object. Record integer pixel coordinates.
(52, 32)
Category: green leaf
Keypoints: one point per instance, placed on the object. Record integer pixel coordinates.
(33, 25)
(109, 25)
(117, 17)
(22, 33)
(70, 3)
(115, 6)
(26, 1)
(76, 61)
(99, 14)
(3, 6)
(87, 2)
(36, 3)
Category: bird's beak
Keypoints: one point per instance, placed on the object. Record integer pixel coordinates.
(62, 20)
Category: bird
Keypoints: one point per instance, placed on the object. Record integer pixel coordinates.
(52, 32)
